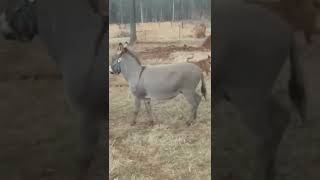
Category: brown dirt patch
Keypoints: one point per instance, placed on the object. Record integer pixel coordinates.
(199, 31)
(207, 43)
(164, 52)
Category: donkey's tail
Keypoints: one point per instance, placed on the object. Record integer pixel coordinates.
(203, 87)
(297, 90)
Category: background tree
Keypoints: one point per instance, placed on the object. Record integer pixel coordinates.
(158, 10)
(133, 34)
(141, 11)
(173, 10)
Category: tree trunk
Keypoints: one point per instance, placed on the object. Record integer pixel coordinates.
(209, 8)
(121, 12)
(192, 9)
(180, 10)
(133, 35)
(141, 11)
(180, 13)
(172, 10)
(201, 10)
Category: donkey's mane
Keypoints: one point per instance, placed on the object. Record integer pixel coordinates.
(126, 50)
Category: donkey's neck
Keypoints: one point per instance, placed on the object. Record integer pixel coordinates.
(131, 69)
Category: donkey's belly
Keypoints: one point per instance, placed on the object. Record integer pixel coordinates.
(162, 96)
(162, 93)
(167, 82)
(142, 93)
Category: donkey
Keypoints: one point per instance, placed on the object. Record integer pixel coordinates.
(251, 46)
(74, 32)
(158, 82)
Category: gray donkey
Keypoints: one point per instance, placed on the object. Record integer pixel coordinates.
(159, 81)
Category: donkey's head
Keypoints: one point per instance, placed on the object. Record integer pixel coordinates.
(18, 21)
(115, 67)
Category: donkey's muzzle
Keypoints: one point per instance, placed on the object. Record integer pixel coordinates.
(110, 70)
(115, 69)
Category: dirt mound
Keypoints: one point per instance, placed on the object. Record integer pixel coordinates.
(199, 31)
(207, 43)
(164, 52)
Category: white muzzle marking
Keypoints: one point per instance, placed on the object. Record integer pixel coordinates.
(110, 69)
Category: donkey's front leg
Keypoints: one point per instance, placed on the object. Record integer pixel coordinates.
(137, 104)
(147, 103)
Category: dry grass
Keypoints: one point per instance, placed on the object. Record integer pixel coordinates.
(199, 31)
(169, 150)
(161, 32)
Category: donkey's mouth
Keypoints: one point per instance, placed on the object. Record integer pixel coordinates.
(110, 70)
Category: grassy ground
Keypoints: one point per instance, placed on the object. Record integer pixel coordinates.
(169, 150)
(160, 32)
(163, 32)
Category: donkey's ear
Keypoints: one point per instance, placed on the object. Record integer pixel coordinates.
(126, 44)
(120, 48)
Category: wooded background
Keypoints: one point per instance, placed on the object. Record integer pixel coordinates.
(158, 10)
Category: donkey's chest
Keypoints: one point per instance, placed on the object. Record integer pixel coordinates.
(138, 91)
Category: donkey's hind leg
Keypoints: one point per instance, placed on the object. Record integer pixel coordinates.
(147, 103)
(137, 105)
(194, 100)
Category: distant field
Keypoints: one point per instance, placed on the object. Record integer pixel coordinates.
(163, 32)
